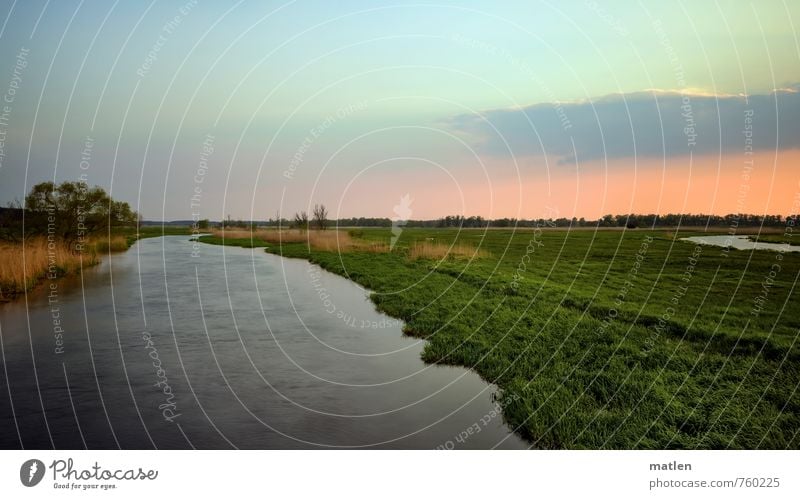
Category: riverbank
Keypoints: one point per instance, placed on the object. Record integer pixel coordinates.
(23, 267)
(598, 340)
(780, 238)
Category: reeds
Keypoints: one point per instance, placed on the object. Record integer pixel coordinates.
(109, 245)
(343, 241)
(322, 240)
(23, 265)
(439, 251)
(336, 240)
(268, 235)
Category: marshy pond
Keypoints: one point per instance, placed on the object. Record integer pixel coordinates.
(741, 243)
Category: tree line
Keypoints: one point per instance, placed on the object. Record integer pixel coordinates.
(70, 211)
(319, 219)
(631, 221)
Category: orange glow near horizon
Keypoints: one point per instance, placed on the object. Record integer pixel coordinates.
(710, 185)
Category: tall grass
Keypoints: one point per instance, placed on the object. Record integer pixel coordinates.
(439, 251)
(268, 235)
(23, 265)
(342, 241)
(321, 240)
(108, 244)
(348, 242)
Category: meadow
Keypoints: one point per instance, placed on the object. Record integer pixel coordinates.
(621, 339)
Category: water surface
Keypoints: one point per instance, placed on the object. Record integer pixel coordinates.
(230, 348)
(741, 243)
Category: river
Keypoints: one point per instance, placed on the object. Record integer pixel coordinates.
(158, 347)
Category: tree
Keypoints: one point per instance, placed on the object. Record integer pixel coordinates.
(320, 216)
(11, 221)
(73, 211)
(301, 220)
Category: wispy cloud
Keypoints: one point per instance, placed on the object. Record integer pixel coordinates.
(650, 123)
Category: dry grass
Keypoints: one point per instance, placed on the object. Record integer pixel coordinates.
(107, 245)
(236, 233)
(334, 240)
(23, 265)
(439, 251)
(268, 235)
(322, 240)
(342, 241)
(286, 236)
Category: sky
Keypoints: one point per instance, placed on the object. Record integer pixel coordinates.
(519, 109)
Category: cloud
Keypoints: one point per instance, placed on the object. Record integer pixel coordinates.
(652, 123)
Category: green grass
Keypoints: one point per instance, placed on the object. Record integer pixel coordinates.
(589, 353)
(241, 242)
(777, 238)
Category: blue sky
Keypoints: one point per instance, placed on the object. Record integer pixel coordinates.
(397, 82)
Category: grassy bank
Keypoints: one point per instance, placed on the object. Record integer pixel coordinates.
(23, 266)
(776, 238)
(614, 339)
(341, 241)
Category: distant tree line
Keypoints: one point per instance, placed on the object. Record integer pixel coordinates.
(630, 221)
(72, 210)
(690, 220)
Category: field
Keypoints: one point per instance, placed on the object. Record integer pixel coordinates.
(598, 339)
